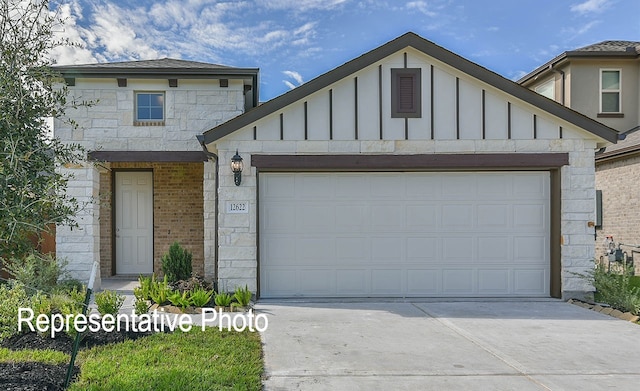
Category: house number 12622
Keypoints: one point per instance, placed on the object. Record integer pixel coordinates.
(238, 207)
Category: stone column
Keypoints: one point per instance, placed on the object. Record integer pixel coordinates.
(80, 246)
(209, 188)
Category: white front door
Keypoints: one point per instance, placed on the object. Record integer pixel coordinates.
(134, 222)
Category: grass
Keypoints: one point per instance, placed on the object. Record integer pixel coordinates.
(44, 356)
(197, 360)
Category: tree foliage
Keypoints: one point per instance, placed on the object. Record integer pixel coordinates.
(32, 191)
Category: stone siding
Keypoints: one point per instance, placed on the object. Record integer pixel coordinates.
(237, 258)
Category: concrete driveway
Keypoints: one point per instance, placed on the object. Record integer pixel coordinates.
(472, 345)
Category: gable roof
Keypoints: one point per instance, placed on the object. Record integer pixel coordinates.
(629, 144)
(430, 49)
(609, 49)
(155, 68)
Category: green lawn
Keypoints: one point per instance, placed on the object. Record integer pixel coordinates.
(197, 360)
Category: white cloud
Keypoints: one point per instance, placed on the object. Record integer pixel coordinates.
(302, 5)
(295, 76)
(573, 32)
(423, 7)
(590, 6)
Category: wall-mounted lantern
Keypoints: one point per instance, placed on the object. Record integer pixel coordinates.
(236, 168)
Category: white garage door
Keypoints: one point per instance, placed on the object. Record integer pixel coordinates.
(461, 234)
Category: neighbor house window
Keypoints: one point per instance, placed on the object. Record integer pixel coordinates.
(406, 99)
(149, 108)
(547, 89)
(610, 90)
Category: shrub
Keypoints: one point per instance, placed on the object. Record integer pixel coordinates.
(200, 297)
(11, 298)
(109, 302)
(223, 299)
(242, 296)
(37, 271)
(180, 299)
(176, 264)
(141, 307)
(160, 291)
(615, 289)
(143, 292)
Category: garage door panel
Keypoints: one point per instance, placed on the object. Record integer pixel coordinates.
(318, 282)
(387, 217)
(352, 282)
(281, 282)
(440, 234)
(423, 282)
(494, 248)
(493, 216)
(422, 248)
(457, 216)
(530, 281)
(386, 282)
(530, 248)
(352, 249)
(493, 281)
(458, 282)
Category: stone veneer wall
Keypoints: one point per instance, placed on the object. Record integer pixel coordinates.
(619, 180)
(237, 256)
(177, 211)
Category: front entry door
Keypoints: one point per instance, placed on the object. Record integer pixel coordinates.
(134, 222)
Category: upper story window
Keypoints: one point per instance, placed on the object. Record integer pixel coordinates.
(149, 108)
(610, 90)
(547, 89)
(406, 99)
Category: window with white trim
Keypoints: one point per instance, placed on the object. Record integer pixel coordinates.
(547, 89)
(149, 108)
(610, 90)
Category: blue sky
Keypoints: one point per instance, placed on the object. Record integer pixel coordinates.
(293, 41)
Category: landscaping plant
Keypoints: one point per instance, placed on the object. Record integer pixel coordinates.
(141, 307)
(109, 302)
(176, 264)
(242, 296)
(615, 289)
(37, 272)
(12, 297)
(223, 299)
(180, 299)
(200, 297)
(160, 291)
(143, 291)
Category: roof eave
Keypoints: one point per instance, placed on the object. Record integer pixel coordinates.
(183, 73)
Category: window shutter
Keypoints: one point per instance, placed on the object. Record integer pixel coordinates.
(406, 94)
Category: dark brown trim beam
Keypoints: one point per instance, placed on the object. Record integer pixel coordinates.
(485, 161)
(148, 156)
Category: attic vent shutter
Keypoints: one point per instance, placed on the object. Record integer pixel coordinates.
(405, 93)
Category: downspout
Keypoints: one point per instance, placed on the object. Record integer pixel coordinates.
(211, 155)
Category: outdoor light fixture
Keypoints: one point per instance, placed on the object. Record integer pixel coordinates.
(236, 167)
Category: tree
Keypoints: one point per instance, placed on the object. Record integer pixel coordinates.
(32, 191)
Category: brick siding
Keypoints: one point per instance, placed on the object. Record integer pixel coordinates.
(619, 180)
(177, 211)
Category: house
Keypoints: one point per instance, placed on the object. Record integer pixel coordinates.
(150, 183)
(408, 171)
(602, 81)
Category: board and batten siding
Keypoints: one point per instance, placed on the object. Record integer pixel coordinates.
(454, 107)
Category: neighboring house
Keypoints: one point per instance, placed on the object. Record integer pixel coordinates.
(408, 171)
(150, 182)
(602, 81)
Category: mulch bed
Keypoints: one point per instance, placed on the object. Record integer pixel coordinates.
(32, 376)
